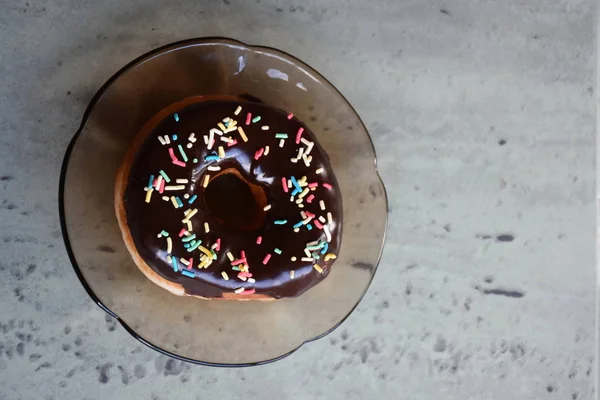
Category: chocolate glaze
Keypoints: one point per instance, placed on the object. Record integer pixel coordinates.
(146, 220)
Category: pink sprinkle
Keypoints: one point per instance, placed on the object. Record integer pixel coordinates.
(248, 291)
(313, 184)
(240, 261)
(248, 118)
(266, 259)
(162, 186)
(259, 240)
(259, 153)
(232, 143)
(290, 116)
(182, 232)
(218, 248)
(309, 214)
(317, 224)
(299, 135)
(284, 184)
(327, 186)
(155, 182)
(245, 274)
(172, 154)
(310, 198)
(243, 253)
(176, 162)
(191, 264)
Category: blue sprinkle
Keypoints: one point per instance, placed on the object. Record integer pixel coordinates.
(211, 158)
(298, 225)
(174, 137)
(175, 264)
(188, 273)
(295, 192)
(324, 249)
(179, 201)
(186, 245)
(280, 221)
(188, 238)
(150, 181)
(192, 199)
(176, 117)
(295, 183)
(309, 227)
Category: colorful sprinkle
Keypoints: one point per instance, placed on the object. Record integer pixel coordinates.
(330, 256)
(242, 134)
(318, 268)
(194, 245)
(259, 153)
(176, 116)
(149, 195)
(174, 263)
(188, 238)
(327, 186)
(182, 232)
(248, 118)
(266, 259)
(255, 119)
(299, 135)
(259, 240)
(277, 250)
(174, 201)
(221, 152)
(284, 184)
(281, 136)
(224, 275)
(298, 225)
(211, 157)
(188, 273)
(310, 198)
(318, 224)
(280, 221)
(192, 199)
(183, 155)
(324, 249)
(179, 202)
(165, 176)
(309, 227)
(290, 116)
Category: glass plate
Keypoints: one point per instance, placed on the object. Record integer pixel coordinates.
(224, 333)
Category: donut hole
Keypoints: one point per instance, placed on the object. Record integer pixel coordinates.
(234, 201)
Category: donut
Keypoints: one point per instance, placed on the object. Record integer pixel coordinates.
(224, 198)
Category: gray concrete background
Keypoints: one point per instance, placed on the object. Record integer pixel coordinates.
(482, 113)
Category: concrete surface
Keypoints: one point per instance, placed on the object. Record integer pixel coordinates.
(483, 117)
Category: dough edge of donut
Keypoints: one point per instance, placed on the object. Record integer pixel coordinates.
(121, 180)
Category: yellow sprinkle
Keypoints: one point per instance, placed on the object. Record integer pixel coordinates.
(205, 251)
(242, 134)
(322, 204)
(186, 212)
(206, 227)
(221, 126)
(304, 193)
(183, 260)
(237, 110)
(293, 258)
(189, 216)
(149, 195)
(267, 207)
(266, 151)
(169, 245)
(330, 256)
(302, 182)
(239, 290)
(318, 268)
(181, 180)
(206, 180)
(319, 170)
(265, 127)
(174, 202)
(175, 187)
(224, 275)
(292, 274)
(230, 256)
(189, 226)
(221, 152)
(329, 218)
(281, 142)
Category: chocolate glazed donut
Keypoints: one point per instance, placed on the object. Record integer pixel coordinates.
(222, 198)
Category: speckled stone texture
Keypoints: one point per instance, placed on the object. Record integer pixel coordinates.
(483, 117)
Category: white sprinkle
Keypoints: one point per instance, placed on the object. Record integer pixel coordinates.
(237, 110)
(184, 261)
(224, 275)
(329, 218)
(293, 259)
(214, 168)
(205, 139)
(265, 127)
(319, 170)
(300, 205)
(306, 160)
(294, 160)
(322, 205)
(300, 152)
(161, 140)
(251, 280)
(186, 196)
(175, 187)
(167, 140)
(296, 230)
(289, 183)
(206, 227)
(226, 119)
(226, 139)
(189, 226)
(189, 146)
(189, 216)
(303, 214)
(174, 201)
(292, 274)
(165, 198)
(327, 232)
(292, 198)
(230, 256)
(239, 290)
(267, 207)
(181, 180)
(307, 259)
(281, 142)
(307, 252)
(192, 137)
(243, 278)
(211, 140)
(266, 151)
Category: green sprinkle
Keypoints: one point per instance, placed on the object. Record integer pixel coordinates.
(165, 176)
(183, 155)
(276, 250)
(195, 160)
(281, 135)
(256, 119)
(214, 255)
(195, 246)
(236, 268)
(188, 238)
(164, 233)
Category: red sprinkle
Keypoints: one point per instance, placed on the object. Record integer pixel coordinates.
(259, 240)
(182, 232)
(317, 224)
(309, 214)
(266, 259)
(240, 261)
(290, 116)
(327, 186)
(299, 135)
(191, 260)
(232, 143)
(245, 274)
(310, 198)
(162, 186)
(259, 153)
(248, 291)
(248, 118)
(218, 248)
(284, 184)
(313, 184)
